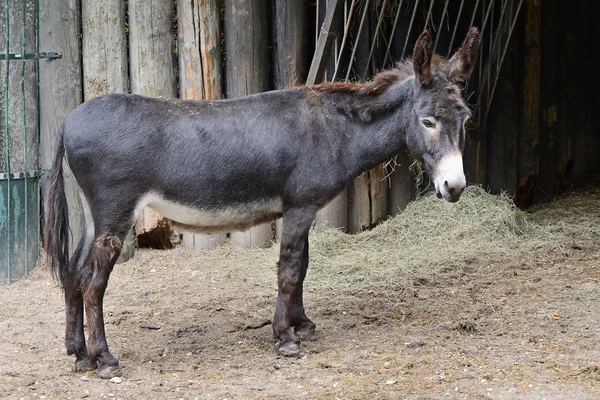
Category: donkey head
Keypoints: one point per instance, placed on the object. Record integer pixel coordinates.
(440, 114)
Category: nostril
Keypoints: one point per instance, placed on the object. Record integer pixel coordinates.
(450, 190)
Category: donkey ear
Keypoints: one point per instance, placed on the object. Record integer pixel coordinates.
(463, 61)
(421, 58)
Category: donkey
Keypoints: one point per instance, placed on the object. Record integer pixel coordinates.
(219, 166)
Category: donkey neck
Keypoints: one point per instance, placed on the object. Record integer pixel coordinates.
(378, 125)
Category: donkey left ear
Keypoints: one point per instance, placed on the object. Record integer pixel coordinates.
(422, 58)
(462, 63)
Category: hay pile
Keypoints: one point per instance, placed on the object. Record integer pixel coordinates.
(431, 235)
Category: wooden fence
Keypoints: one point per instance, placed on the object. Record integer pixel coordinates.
(215, 49)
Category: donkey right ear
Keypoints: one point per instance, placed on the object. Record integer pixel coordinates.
(463, 61)
(421, 58)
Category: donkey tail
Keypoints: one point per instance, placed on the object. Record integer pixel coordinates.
(56, 230)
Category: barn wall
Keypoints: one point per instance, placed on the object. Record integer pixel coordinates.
(563, 153)
(539, 125)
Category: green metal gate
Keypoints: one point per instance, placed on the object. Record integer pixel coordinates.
(19, 138)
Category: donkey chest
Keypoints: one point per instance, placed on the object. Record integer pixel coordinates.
(222, 219)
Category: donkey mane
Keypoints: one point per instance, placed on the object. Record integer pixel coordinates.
(361, 101)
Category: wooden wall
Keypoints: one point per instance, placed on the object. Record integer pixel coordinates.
(538, 141)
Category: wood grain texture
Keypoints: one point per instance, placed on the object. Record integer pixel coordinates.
(61, 91)
(104, 56)
(200, 75)
(246, 72)
(152, 66)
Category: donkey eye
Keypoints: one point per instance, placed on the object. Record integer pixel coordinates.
(428, 123)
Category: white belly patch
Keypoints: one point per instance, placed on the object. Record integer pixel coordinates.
(238, 217)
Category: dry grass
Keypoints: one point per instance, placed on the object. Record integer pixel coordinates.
(431, 235)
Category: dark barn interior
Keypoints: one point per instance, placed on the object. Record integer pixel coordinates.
(541, 139)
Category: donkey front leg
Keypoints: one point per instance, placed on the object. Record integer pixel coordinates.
(293, 260)
(104, 254)
(303, 326)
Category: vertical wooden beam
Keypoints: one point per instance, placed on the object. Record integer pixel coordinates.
(530, 122)
(199, 51)
(290, 26)
(323, 48)
(151, 48)
(246, 72)
(105, 63)
(402, 184)
(335, 213)
(60, 90)
(152, 71)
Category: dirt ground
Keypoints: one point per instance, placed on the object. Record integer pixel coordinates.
(196, 325)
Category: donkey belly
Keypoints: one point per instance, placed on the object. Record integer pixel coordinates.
(228, 218)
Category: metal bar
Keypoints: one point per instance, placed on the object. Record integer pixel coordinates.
(487, 14)
(7, 144)
(376, 32)
(437, 37)
(27, 174)
(387, 51)
(38, 170)
(412, 19)
(429, 13)
(360, 27)
(30, 56)
(323, 48)
(510, 32)
(474, 13)
(23, 45)
(462, 3)
(343, 45)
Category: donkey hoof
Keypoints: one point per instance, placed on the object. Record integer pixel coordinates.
(109, 371)
(305, 331)
(83, 365)
(289, 348)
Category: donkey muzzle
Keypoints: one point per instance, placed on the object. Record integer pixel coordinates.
(450, 180)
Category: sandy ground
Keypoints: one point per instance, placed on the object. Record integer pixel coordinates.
(196, 325)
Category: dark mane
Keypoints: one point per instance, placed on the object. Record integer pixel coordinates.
(379, 84)
(361, 101)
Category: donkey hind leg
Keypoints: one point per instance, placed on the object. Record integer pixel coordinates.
(74, 332)
(303, 326)
(103, 255)
(289, 310)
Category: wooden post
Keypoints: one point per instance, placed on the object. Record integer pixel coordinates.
(335, 213)
(246, 72)
(199, 51)
(105, 63)
(402, 185)
(60, 91)
(152, 73)
(529, 137)
(289, 45)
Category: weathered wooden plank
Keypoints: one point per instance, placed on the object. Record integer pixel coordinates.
(402, 184)
(378, 188)
(359, 209)
(530, 118)
(199, 52)
(289, 19)
(323, 48)
(104, 54)
(152, 64)
(60, 90)
(335, 213)
(19, 222)
(246, 63)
